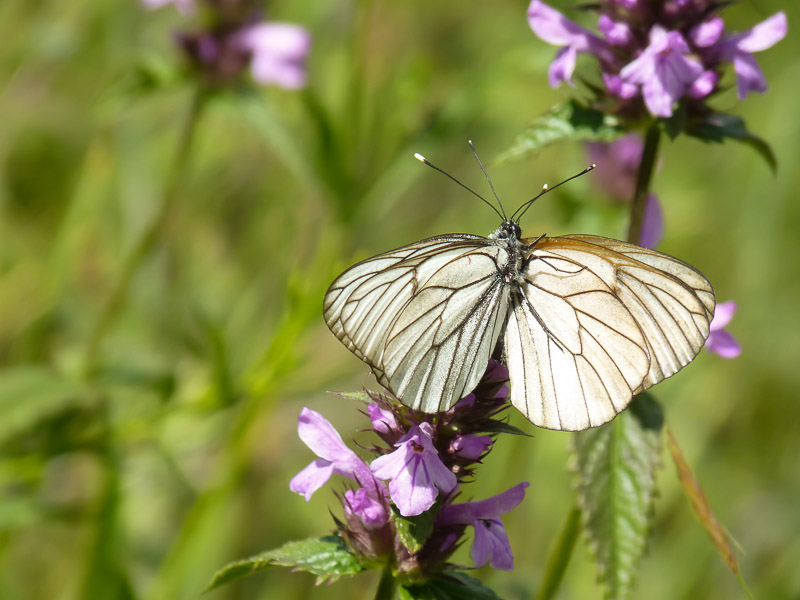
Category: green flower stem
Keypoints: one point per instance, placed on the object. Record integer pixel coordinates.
(559, 559)
(116, 299)
(643, 178)
(387, 585)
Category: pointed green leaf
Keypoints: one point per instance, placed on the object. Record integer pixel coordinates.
(564, 123)
(450, 585)
(718, 127)
(325, 557)
(414, 531)
(362, 396)
(615, 467)
(31, 394)
(701, 506)
(494, 426)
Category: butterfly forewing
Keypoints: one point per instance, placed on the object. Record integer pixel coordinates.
(671, 301)
(426, 317)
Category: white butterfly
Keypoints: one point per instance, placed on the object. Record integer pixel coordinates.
(582, 322)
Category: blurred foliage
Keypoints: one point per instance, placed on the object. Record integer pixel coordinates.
(175, 458)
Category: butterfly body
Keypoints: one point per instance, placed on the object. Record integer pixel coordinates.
(583, 323)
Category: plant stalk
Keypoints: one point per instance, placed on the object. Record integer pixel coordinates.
(559, 559)
(116, 298)
(643, 178)
(387, 585)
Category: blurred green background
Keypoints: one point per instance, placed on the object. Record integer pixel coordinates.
(177, 458)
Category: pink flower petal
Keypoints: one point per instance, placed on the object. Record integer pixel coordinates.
(764, 35)
(723, 313)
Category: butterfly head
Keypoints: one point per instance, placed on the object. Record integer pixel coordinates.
(508, 230)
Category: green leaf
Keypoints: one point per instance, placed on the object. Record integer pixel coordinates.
(414, 531)
(718, 127)
(29, 395)
(325, 557)
(615, 466)
(564, 122)
(450, 585)
(493, 426)
(362, 396)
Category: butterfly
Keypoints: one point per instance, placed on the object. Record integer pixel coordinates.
(583, 323)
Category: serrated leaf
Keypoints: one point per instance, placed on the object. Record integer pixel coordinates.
(325, 557)
(718, 127)
(31, 394)
(362, 396)
(414, 531)
(615, 467)
(450, 585)
(701, 506)
(565, 122)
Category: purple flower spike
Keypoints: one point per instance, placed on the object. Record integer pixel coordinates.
(370, 511)
(663, 70)
(554, 28)
(652, 223)
(416, 472)
(739, 48)
(720, 341)
(334, 457)
(278, 53)
(491, 541)
(470, 446)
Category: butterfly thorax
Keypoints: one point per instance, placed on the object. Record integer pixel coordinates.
(508, 236)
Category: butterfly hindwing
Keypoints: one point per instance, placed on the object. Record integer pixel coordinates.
(597, 321)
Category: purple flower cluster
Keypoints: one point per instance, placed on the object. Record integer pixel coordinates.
(420, 467)
(237, 38)
(653, 54)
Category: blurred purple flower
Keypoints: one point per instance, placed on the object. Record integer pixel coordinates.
(370, 511)
(185, 6)
(652, 223)
(707, 33)
(617, 33)
(703, 85)
(470, 446)
(738, 49)
(334, 457)
(663, 70)
(554, 28)
(617, 164)
(720, 341)
(491, 541)
(416, 472)
(278, 53)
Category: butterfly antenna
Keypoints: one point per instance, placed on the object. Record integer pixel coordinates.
(485, 174)
(422, 159)
(526, 205)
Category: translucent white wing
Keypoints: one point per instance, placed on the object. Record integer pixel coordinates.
(596, 321)
(426, 317)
